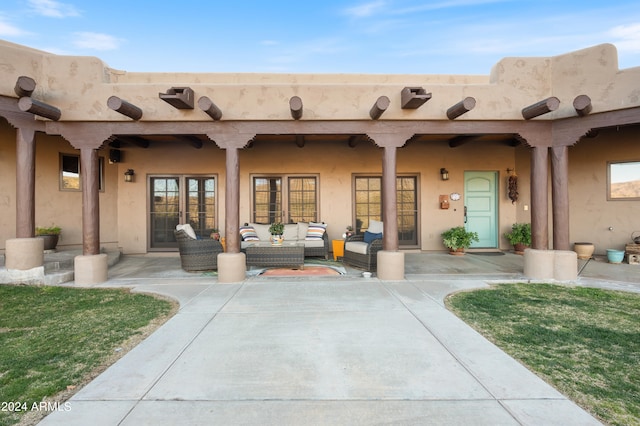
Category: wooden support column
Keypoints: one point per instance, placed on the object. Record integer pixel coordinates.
(389, 199)
(539, 201)
(390, 142)
(560, 194)
(25, 182)
(232, 143)
(89, 171)
(232, 201)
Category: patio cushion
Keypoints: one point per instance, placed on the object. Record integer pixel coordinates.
(314, 243)
(248, 233)
(187, 230)
(375, 226)
(290, 232)
(316, 231)
(356, 247)
(370, 236)
(262, 230)
(303, 227)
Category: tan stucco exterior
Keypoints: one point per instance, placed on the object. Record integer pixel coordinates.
(80, 87)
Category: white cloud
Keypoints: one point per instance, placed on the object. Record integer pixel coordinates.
(96, 41)
(627, 37)
(9, 30)
(53, 9)
(366, 9)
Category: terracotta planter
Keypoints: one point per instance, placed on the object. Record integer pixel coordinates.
(457, 252)
(519, 248)
(584, 250)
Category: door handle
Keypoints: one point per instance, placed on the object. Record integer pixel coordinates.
(465, 214)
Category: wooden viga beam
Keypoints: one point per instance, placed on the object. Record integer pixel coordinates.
(210, 108)
(582, 105)
(380, 106)
(24, 86)
(295, 105)
(124, 107)
(27, 104)
(542, 107)
(462, 107)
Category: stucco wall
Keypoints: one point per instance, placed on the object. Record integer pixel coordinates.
(80, 87)
(591, 213)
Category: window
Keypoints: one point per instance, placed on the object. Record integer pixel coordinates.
(287, 199)
(623, 180)
(70, 173)
(368, 205)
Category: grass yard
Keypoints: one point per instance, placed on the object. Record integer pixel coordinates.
(584, 341)
(55, 339)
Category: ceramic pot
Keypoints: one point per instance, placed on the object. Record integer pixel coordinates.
(50, 241)
(276, 240)
(584, 250)
(615, 256)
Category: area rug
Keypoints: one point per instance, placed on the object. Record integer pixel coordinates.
(308, 271)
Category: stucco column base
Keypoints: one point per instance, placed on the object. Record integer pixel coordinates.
(90, 269)
(24, 253)
(390, 265)
(232, 267)
(560, 265)
(566, 265)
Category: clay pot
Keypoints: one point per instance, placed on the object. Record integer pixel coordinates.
(615, 256)
(584, 250)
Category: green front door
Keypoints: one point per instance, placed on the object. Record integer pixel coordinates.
(480, 198)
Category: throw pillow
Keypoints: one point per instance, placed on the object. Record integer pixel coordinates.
(315, 231)
(370, 236)
(375, 226)
(248, 233)
(187, 230)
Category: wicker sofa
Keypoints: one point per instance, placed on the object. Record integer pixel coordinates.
(197, 254)
(313, 235)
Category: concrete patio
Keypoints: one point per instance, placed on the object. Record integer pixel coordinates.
(335, 350)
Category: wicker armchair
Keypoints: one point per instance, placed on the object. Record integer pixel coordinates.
(197, 255)
(367, 260)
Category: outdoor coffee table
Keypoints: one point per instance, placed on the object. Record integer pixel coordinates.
(267, 254)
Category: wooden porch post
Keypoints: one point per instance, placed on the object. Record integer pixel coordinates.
(232, 201)
(560, 194)
(389, 199)
(539, 200)
(89, 172)
(25, 182)
(232, 265)
(390, 261)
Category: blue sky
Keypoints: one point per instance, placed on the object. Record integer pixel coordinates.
(370, 36)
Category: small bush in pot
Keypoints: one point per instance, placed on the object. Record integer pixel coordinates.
(520, 236)
(50, 235)
(458, 238)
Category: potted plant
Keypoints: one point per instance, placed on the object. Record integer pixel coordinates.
(457, 239)
(50, 235)
(276, 230)
(215, 234)
(519, 237)
(349, 232)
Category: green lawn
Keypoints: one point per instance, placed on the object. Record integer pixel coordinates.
(53, 339)
(584, 341)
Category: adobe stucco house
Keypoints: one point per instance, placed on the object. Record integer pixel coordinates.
(218, 150)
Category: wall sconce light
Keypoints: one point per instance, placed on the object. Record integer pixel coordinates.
(128, 175)
(444, 174)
